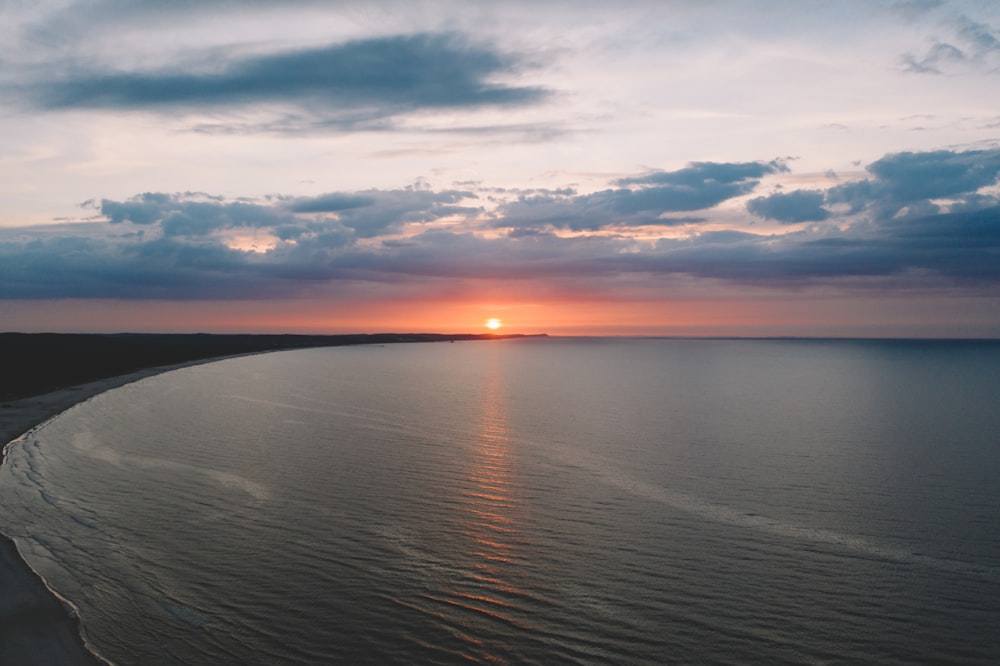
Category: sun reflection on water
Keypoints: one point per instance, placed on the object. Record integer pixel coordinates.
(495, 551)
(492, 499)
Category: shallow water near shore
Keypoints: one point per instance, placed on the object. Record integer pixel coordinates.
(519, 501)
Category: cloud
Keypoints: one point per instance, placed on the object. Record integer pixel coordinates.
(639, 200)
(982, 38)
(912, 9)
(347, 84)
(933, 61)
(377, 212)
(790, 208)
(358, 214)
(940, 250)
(701, 173)
(943, 173)
(973, 44)
(908, 182)
(98, 266)
(190, 214)
(195, 246)
(330, 203)
(954, 238)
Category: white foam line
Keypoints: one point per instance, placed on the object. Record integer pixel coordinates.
(605, 470)
(88, 445)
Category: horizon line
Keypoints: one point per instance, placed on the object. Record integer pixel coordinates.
(498, 335)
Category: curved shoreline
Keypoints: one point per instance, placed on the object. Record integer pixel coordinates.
(36, 625)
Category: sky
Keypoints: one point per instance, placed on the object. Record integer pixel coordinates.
(719, 167)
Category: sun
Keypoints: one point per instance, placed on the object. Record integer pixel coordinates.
(493, 324)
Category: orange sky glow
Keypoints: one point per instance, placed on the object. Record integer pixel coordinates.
(760, 317)
(572, 169)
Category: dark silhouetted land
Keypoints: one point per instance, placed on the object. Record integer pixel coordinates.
(36, 363)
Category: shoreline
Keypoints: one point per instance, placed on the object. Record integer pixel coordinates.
(40, 363)
(36, 625)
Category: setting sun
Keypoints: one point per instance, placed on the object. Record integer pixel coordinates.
(493, 324)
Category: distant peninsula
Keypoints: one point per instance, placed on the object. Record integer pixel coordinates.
(36, 363)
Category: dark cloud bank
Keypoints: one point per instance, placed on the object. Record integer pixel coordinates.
(641, 200)
(359, 83)
(919, 219)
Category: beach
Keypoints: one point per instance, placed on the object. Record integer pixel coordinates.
(36, 627)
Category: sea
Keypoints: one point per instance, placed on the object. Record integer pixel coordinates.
(530, 501)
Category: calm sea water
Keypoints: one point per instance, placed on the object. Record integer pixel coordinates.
(531, 501)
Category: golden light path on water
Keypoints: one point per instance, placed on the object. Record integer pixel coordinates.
(492, 530)
(488, 595)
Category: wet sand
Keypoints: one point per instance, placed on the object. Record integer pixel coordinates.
(35, 627)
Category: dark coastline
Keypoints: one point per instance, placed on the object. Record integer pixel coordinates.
(42, 375)
(36, 363)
